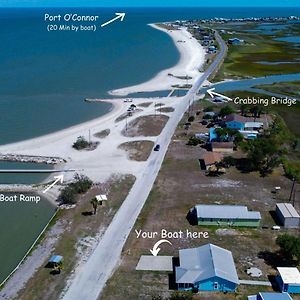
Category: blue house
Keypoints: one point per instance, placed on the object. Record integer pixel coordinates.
(206, 268)
(212, 135)
(289, 280)
(235, 121)
(235, 41)
(271, 296)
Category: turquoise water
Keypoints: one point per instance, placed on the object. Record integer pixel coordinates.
(290, 39)
(20, 225)
(242, 85)
(44, 78)
(46, 75)
(15, 178)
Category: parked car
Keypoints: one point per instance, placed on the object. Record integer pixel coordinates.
(276, 227)
(157, 147)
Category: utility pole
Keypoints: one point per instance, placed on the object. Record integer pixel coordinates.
(292, 190)
(89, 136)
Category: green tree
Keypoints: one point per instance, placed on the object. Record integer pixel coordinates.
(226, 110)
(81, 143)
(290, 245)
(68, 195)
(95, 204)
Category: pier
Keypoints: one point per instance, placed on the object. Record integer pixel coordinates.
(36, 171)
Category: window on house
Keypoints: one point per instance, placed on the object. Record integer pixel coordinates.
(216, 285)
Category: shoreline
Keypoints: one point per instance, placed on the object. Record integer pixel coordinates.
(59, 143)
(192, 57)
(107, 158)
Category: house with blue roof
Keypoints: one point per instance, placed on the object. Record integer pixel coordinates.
(235, 121)
(213, 137)
(235, 41)
(271, 296)
(206, 268)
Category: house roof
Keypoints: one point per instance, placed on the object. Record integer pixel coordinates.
(226, 212)
(275, 296)
(254, 124)
(235, 117)
(211, 158)
(287, 210)
(289, 275)
(227, 145)
(55, 259)
(202, 263)
(101, 197)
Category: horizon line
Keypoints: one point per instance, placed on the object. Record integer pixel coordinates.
(149, 6)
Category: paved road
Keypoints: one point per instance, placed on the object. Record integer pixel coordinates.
(93, 275)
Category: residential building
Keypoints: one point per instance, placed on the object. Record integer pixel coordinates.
(253, 125)
(206, 268)
(225, 215)
(271, 296)
(222, 147)
(209, 159)
(287, 215)
(235, 41)
(235, 121)
(288, 280)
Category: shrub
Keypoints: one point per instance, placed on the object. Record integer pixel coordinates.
(226, 110)
(193, 141)
(228, 161)
(80, 185)
(191, 119)
(208, 109)
(68, 195)
(291, 169)
(81, 143)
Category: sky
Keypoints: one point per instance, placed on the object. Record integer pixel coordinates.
(153, 3)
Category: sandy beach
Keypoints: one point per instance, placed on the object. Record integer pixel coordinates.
(107, 158)
(192, 57)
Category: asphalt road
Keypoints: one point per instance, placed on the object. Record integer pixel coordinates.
(90, 280)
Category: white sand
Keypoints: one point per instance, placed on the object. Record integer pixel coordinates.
(192, 57)
(107, 159)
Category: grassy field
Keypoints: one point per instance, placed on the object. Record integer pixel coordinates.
(138, 150)
(81, 231)
(245, 60)
(179, 186)
(150, 125)
(291, 89)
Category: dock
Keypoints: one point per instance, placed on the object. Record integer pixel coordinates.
(6, 171)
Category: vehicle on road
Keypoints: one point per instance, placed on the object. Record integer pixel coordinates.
(156, 148)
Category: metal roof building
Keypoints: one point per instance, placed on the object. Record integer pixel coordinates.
(289, 280)
(271, 296)
(287, 215)
(206, 268)
(230, 215)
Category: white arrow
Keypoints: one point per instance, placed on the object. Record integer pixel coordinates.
(57, 179)
(212, 94)
(120, 16)
(155, 249)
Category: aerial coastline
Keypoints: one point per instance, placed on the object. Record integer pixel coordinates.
(192, 56)
(59, 144)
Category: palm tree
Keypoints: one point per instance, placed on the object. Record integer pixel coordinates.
(95, 204)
